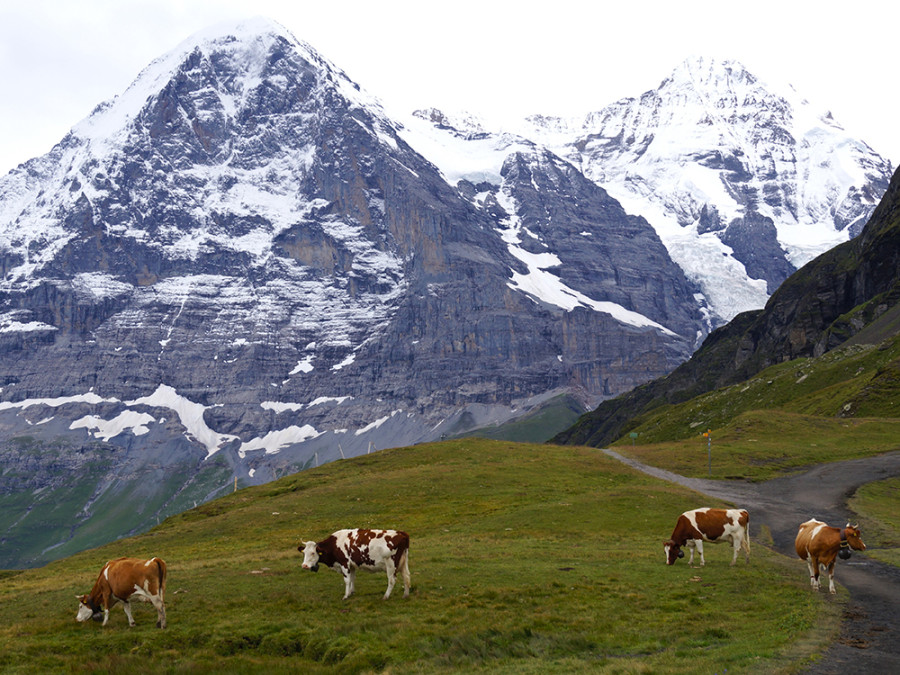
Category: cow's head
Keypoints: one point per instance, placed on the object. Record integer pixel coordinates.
(311, 553)
(673, 552)
(853, 535)
(86, 610)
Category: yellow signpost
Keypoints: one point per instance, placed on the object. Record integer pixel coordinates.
(708, 435)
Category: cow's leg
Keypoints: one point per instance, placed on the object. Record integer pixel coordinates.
(745, 543)
(347, 591)
(391, 570)
(105, 615)
(690, 545)
(127, 606)
(831, 578)
(736, 545)
(699, 544)
(160, 610)
(813, 564)
(349, 582)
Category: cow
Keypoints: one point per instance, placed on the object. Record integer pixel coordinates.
(713, 525)
(819, 544)
(126, 579)
(345, 551)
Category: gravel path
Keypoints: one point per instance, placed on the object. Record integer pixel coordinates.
(870, 632)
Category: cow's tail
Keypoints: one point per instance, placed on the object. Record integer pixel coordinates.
(747, 534)
(403, 564)
(161, 567)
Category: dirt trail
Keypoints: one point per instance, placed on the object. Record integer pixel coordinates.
(870, 632)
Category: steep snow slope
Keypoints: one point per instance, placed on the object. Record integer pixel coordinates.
(743, 181)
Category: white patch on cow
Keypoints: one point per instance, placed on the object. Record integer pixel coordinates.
(310, 557)
(84, 612)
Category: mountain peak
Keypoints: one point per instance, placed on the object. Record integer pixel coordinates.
(247, 49)
(241, 29)
(710, 71)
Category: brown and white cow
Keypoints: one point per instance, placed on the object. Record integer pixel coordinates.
(126, 579)
(345, 551)
(713, 525)
(819, 544)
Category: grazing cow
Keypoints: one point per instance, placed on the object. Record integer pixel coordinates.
(713, 525)
(819, 545)
(126, 579)
(346, 550)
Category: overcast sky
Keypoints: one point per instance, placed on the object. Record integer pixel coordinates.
(60, 58)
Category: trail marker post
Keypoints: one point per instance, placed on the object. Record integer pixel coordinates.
(708, 435)
(633, 435)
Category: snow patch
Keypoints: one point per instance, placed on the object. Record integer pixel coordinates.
(329, 399)
(107, 429)
(189, 413)
(274, 441)
(346, 362)
(280, 407)
(303, 366)
(90, 398)
(377, 423)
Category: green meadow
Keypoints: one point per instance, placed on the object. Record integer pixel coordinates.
(878, 505)
(524, 559)
(842, 405)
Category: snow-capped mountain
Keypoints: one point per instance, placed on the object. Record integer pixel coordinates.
(241, 267)
(743, 181)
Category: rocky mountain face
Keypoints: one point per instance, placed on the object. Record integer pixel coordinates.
(848, 294)
(242, 267)
(743, 181)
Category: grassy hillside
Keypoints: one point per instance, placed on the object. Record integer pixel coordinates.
(525, 558)
(841, 405)
(537, 426)
(878, 504)
(71, 511)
